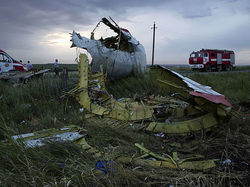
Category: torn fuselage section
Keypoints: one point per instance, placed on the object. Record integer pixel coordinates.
(120, 55)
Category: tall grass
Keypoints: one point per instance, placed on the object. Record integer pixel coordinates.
(37, 105)
(235, 86)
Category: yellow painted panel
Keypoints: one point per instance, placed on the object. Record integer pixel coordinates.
(183, 127)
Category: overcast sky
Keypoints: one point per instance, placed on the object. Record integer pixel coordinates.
(38, 30)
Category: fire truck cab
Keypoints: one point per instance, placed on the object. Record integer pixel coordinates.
(7, 63)
(212, 59)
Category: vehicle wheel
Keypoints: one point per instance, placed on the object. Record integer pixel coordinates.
(228, 67)
(208, 68)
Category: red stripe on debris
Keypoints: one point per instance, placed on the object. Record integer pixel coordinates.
(213, 98)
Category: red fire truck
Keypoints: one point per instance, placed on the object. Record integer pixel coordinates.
(212, 59)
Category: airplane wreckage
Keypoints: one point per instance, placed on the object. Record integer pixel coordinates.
(200, 106)
(120, 55)
(22, 77)
(200, 109)
(185, 107)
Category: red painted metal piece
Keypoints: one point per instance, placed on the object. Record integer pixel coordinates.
(213, 98)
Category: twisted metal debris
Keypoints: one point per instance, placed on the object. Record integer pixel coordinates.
(120, 55)
(201, 108)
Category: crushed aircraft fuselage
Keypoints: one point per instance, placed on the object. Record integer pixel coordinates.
(120, 55)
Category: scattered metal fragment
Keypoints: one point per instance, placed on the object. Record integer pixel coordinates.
(227, 162)
(89, 149)
(70, 133)
(206, 121)
(77, 135)
(193, 163)
(22, 76)
(120, 55)
(40, 138)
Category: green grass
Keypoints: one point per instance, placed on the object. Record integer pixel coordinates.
(34, 106)
(70, 67)
(246, 67)
(188, 69)
(73, 67)
(180, 68)
(235, 86)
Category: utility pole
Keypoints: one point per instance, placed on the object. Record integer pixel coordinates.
(153, 50)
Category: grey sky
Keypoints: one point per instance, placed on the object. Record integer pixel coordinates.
(38, 30)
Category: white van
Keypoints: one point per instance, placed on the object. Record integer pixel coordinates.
(7, 63)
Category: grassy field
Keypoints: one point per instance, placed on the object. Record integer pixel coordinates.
(70, 67)
(37, 105)
(73, 67)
